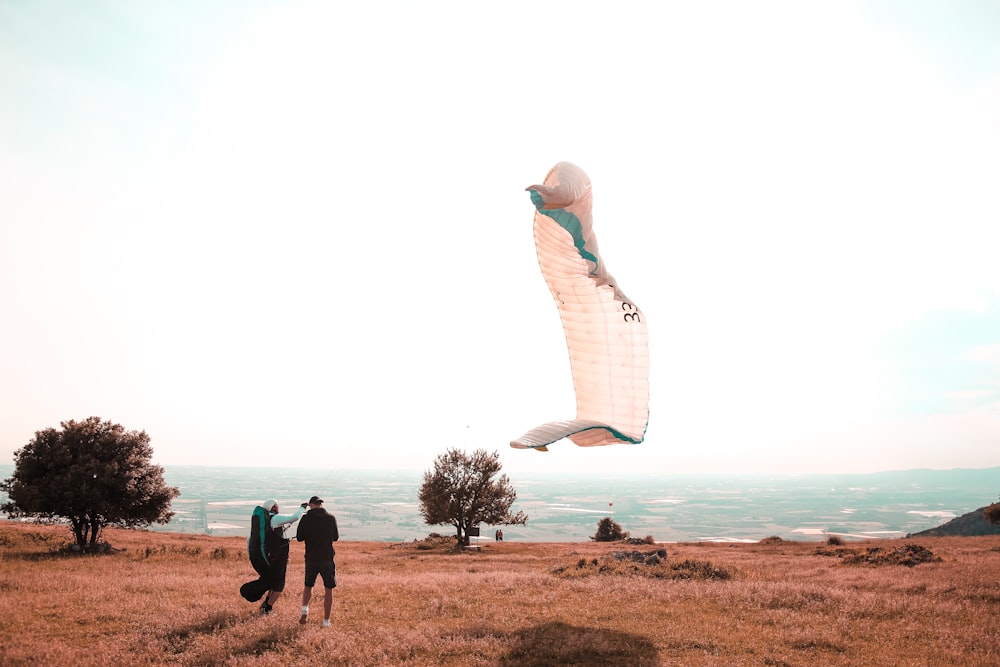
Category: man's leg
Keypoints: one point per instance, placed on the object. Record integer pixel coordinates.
(327, 606)
(279, 566)
(306, 596)
(307, 592)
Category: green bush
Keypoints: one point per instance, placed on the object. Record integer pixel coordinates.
(609, 531)
(992, 513)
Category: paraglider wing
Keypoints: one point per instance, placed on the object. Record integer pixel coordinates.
(605, 331)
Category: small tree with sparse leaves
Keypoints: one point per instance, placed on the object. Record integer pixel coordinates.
(93, 473)
(464, 491)
(992, 513)
(608, 530)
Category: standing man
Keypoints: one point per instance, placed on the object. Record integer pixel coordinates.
(318, 529)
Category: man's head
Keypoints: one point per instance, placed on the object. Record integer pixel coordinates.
(315, 501)
(270, 505)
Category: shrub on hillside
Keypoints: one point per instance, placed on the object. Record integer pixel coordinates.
(654, 567)
(608, 530)
(908, 555)
(698, 569)
(435, 541)
(992, 513)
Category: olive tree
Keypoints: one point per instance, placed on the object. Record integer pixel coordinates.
(463, 490)
(93, 473)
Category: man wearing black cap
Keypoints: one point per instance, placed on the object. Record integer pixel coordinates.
(318, 529)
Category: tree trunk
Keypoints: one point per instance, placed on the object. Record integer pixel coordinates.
(79, 533)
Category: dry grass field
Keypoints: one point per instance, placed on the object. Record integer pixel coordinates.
(173, 599)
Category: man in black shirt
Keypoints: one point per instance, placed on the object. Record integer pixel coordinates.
(318, 529)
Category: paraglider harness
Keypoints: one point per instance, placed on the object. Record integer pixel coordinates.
(266, 544)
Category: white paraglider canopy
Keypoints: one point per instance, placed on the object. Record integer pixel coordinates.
(605, 330)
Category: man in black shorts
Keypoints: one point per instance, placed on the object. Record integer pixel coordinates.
(318, 529)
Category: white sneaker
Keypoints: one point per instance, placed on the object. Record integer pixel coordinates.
(326, 622)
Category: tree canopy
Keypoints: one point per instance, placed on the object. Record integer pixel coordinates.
(992, 513)
(608, 530)
(93, 473)
(463, 490)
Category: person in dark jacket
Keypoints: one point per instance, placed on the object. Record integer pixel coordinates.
(268, 549)
(318, 529)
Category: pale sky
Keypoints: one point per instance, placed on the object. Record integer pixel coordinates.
(296, 233)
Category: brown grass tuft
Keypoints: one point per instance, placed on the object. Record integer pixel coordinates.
(907, 554)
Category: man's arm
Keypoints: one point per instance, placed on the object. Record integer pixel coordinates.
(334, 533)
(300, 532)
(282, 519)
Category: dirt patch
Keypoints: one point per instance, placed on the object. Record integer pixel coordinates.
(651, 565)
(909, 555)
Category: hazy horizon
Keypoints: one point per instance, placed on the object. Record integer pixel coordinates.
(381, 505)
(613, 473)
(384, 506)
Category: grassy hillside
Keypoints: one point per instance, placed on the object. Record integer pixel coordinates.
(967, 525)
(173, 599)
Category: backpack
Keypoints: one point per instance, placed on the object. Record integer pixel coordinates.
(259, 528)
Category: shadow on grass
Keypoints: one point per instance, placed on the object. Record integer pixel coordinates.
(39, 555)
(179, 639)
(564, 644)
(184, 642)
(270, 640)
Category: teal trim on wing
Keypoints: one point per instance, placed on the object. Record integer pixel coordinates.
(615, 432)
(634, 441)
(542, 436)
(624, 438)
(569, 222)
